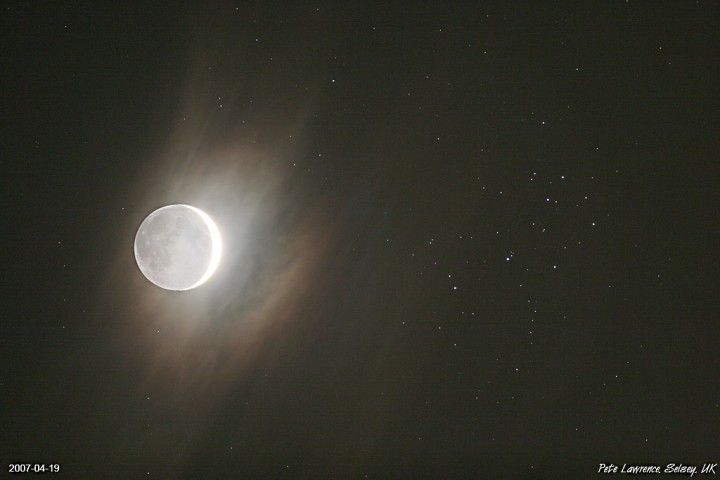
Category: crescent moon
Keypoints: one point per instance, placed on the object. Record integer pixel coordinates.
(178, 247)
(216, 246)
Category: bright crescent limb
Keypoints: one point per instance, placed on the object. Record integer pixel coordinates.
(216, 251)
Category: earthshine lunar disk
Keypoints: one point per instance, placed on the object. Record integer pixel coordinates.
(178, 247)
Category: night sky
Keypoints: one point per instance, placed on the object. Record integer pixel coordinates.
(460, 241)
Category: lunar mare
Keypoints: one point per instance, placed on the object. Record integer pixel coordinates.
(178, 247)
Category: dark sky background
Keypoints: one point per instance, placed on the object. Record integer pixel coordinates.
(462, 241)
